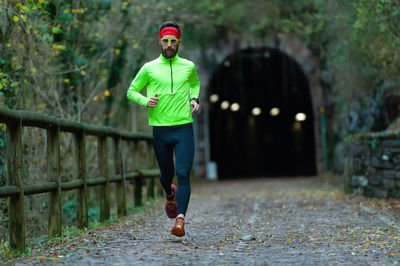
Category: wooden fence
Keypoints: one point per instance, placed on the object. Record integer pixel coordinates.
(15, 190)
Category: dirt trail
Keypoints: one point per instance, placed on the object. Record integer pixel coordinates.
(299, 221)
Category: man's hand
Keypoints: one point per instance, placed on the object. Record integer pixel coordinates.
(153, 101)
(195, 107)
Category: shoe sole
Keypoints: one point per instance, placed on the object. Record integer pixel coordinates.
(173, 215)
(178, 231)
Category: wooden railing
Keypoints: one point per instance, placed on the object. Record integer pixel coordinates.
(15, 190)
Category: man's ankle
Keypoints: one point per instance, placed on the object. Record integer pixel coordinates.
(171, 197)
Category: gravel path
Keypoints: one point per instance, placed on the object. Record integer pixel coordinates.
(299, 221)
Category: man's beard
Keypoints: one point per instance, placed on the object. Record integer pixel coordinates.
(169, 53)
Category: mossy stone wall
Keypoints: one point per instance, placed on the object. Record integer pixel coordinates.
(372, 164)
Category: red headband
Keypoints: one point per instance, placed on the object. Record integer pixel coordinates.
(170, 30)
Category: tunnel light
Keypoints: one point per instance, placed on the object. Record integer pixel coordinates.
(224, 105)
(235, 107)
(214, 98)
(256, 111)
(274, 111)
(300, 117)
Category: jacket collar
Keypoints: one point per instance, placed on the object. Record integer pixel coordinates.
(176, 57)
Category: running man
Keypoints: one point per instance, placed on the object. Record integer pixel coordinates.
(173, 89)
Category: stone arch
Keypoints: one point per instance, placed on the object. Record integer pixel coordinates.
(211, 57)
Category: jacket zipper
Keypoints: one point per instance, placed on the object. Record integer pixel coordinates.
(172, 79)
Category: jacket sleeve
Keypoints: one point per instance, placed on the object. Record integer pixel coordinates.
(194, 84)
(138, 83)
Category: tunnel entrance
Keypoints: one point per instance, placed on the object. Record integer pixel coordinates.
(261, 116)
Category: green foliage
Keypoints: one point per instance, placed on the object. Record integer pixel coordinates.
(75, 45)
(369, 191)
(374, 39)
(7, 88)
(6, 252)
(69, 211)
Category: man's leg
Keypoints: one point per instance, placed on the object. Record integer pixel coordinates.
(184, 153)
(164, 154)
(163, 149)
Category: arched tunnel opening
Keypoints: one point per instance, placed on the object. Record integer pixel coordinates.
(261, 116)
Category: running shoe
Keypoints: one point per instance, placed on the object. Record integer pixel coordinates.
(179, 227)
(171, 206)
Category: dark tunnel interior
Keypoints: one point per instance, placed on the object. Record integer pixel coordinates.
(261, 116)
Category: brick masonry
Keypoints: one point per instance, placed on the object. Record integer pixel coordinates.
(372, 164)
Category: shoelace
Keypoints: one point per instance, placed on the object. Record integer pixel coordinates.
(180, 221)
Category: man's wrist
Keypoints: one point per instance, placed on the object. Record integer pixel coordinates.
(195, 99)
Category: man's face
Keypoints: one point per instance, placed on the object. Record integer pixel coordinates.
(168, 49)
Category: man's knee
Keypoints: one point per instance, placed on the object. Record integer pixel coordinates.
(183, 176)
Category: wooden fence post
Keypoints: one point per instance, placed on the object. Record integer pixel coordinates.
(105, 188)
(15, 203)
(82, 208)
(138, 180)
(53, 171)
(121, 192)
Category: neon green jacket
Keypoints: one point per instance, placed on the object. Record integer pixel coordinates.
(175, 81)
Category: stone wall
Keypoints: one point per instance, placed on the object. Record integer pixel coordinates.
(372, 164)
